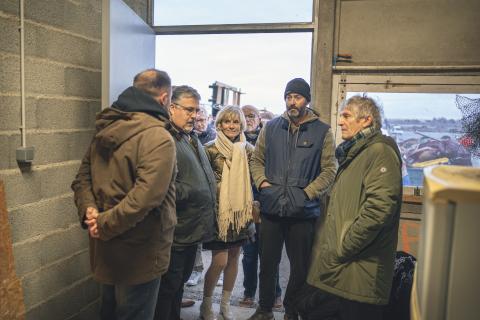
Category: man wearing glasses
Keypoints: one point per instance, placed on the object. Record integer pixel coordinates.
(195, 202)
(293, 166)
(203, 129)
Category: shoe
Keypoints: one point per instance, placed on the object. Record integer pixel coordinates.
(194, 279)
(206, 312)
(187, 303)
(225, 312)
(278, 304)
(247, 302)
(220, 281)
(262, 315)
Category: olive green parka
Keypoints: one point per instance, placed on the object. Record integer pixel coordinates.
(354, 250)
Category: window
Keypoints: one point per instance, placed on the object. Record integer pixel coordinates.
(194, 12)
(259, 65)
(425, 118)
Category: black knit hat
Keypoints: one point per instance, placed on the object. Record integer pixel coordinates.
(300, 86)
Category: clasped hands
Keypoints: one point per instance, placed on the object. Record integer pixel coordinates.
(91, 216)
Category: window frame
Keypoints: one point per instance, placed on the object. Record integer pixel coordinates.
(303, 27)
(343, 83)
(413, 83)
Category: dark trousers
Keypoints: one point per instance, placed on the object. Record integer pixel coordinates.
(353, 310)
(250, 259)
(298, 238)
(170, 292)
(129, 302)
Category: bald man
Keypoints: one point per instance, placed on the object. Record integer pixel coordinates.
(125, 195)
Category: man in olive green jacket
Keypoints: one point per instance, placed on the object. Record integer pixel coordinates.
(195, 201)
(354, 252)
(125, 195)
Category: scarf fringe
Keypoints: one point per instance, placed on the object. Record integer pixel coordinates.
(235, 220)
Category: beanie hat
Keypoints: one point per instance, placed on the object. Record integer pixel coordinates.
(300, 86)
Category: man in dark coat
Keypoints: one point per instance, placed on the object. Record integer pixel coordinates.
(251, 249)
(125, 195)
(196, 202)
(293, 167)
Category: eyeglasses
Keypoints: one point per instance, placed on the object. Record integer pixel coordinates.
(188, 110)
(251, 116)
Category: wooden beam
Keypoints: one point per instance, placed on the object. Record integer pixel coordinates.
(11, 294)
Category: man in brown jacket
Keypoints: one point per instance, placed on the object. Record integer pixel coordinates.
(125, 195)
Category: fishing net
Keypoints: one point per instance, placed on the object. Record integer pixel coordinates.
(470, 109)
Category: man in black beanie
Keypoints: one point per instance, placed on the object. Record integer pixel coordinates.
(293, 166)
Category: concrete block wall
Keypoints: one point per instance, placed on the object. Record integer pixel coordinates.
(63, 94)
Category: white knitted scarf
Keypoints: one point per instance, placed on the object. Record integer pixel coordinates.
(235, 203)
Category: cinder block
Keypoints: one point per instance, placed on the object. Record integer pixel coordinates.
(90, 312)
(10, 110)
(66, 15)
(59, 147)
(42, 217)
(44, 78)
(41, 285)
(10, 75)
(22, 188)
(66, 304)
(10, 39)
(6, 154)
(95, 108)
(57, 180)
(33, 255)
(9, 6)
(58, 46)
(83, 83)
(66, 114)
(94, 5)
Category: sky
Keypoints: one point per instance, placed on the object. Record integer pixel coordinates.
(191, 12)
(418, 105)
(261, 64)
(258, 64)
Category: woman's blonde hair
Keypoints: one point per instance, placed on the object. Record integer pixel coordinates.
(229, 113)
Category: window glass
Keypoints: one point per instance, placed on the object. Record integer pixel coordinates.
(195, 12)
(428, 128)
(259, 65)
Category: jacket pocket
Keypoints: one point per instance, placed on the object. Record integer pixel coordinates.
(296, 201)
(340, 250)
(269, 200)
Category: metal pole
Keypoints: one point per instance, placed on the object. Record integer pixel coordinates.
(22, 74)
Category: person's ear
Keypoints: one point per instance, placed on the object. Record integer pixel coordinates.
(164, 98)
(170, 109)
(367, 121)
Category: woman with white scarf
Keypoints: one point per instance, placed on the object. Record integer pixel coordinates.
(229, 155)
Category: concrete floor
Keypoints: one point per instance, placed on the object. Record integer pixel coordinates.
(241, 313)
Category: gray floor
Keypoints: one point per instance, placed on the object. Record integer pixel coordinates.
(241, 313)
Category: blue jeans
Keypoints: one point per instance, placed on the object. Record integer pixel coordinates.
(251, 255)
(129, 302)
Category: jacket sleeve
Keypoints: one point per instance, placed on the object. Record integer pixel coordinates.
(82, 188)
(257, 162)
(383, 189)
(155, 169)
(328, 163)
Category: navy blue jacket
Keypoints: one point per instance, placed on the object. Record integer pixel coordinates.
(292, 161)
